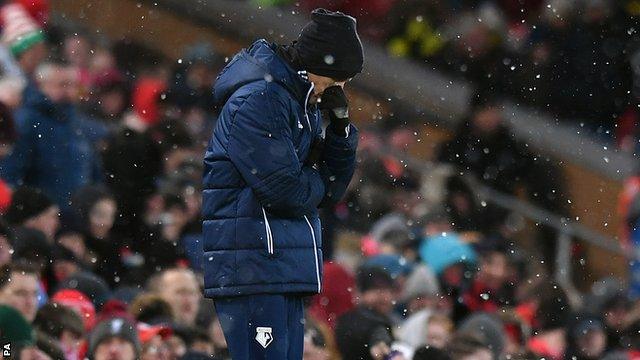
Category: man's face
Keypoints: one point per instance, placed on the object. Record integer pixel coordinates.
(437, 335)
(593, 343)
(21, 293)
(380, 300)
(494, 270)
(320, 84)
(156, 349)
(180, 290)
(102, 216)
(59, 85)
(70, 343)
(115, 348)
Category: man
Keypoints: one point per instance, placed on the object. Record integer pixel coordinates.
(63, 325)
(15, 330)
(51, 153)
(364, 333)
(114, 338)
(179, 288)
(492, 286)
(265, 176)
(19, 288)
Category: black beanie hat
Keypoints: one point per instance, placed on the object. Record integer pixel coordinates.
(91, 285)
(329, 45)
(27, 202)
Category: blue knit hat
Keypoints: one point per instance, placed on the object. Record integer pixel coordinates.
(442, 251)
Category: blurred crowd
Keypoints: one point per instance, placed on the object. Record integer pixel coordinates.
(575, 59)
(101, 146)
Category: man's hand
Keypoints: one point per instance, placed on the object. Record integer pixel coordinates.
(334, 101)
(315, 152)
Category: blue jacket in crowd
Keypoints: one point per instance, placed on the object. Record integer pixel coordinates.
(261, 231)
(52, 152)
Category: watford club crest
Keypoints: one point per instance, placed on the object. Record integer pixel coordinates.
(264, 336)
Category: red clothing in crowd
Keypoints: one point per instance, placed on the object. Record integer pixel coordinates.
(336, 297)
(540, 348)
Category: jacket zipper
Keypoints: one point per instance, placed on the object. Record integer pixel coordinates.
(315, 251)
(267, 229)
(306, 103)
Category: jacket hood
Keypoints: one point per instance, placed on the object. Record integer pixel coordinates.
(259, 62)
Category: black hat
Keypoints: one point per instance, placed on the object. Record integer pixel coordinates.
(329, 45)
(26, 203)
(90, 285)
(373, 278)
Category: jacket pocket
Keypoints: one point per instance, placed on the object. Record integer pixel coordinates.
(267, 229)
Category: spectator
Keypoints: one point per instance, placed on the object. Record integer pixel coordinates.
(49, 346)
(153, 340)
(586, 338)
(15, 330)
(90, 285)
(64, 326)
(179, 287)
(365, 332)
(486, 328)
(163, 245)
(492, 287)
(32, 209)
(109, 98)
(503, 162)
(76, 50)
(132, 158)
(58, 161)
(485, 147)
(421, 290)
(63, 263)
(79, 303)
(19, 288)
(114, 338)
(424, 329)
(72, 239)
(191, 89)
(551, 317)
(94, 212)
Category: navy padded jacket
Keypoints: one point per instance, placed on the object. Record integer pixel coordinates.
(261, 231)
